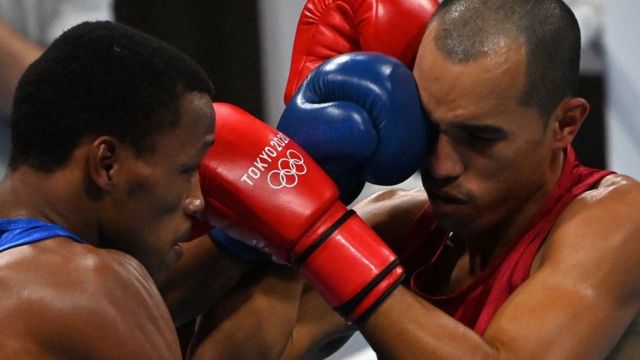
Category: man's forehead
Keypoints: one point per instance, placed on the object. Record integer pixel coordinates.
(504, 68)
(195, 126)
(459, 47)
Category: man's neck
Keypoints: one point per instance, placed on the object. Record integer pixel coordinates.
(54, 198)
(492, 243)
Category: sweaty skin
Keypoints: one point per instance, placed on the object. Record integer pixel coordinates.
(493, 165)
(100, 300)
(71, 300)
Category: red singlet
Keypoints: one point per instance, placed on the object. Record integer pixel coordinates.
(426, 255)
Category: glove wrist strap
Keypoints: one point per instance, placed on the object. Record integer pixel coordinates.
(350, 267)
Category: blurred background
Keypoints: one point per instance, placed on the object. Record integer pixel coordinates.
(245, 47)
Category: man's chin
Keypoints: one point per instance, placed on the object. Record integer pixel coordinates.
(455, 223)
(159, 272)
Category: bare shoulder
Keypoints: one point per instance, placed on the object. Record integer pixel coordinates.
(587, 266)
(74, 300)
(391, 212)
(610, 206)
(601, 228)
(615, 180)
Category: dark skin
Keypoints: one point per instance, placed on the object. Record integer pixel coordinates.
(200, 279)
(190, 287)
(493, 164)
(58, 310)
(100, 300)
(247, 310)
(283, 317)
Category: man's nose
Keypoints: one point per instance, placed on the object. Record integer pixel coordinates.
(194, 202)
(444, 162)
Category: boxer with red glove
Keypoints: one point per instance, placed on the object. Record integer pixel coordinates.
(257, 177)
(327, 28)
(359, 116)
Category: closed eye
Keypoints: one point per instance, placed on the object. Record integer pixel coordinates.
(189, 170)
(482, 132)
(483, 137)
(479, 137)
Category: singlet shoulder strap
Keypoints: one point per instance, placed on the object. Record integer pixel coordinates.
(22, 231)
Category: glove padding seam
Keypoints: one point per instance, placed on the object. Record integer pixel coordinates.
(300, 260)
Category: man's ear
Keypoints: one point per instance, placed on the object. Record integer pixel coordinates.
(567, 119)
(102, 161)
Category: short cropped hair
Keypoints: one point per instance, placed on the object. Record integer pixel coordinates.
(99, 78)
(547, 29)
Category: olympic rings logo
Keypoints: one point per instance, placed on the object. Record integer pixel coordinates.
(288, 171)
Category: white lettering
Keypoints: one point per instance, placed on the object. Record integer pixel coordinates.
(266, 157)
(269, 151)
(245, 178)
(254, 172)
(259, 164)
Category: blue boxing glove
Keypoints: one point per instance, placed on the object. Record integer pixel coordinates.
(235, 247)
(359, 116)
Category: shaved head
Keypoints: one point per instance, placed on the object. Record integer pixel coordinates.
(547, 30)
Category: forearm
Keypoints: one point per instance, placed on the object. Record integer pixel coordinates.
(406, 327)
(200, 280)
(283, 321)
(318, 331)
(255, 320)
(16, 53)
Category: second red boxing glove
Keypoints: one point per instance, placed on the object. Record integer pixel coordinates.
(327, 28)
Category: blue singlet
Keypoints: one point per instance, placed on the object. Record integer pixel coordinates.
(17, 232)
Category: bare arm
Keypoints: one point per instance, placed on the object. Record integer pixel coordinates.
(255, 320)
(392, 212)
(575, 306)
(299, 323)
(319, 331)
(16, 53)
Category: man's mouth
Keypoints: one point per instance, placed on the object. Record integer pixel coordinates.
(185, 236)
(445, 197)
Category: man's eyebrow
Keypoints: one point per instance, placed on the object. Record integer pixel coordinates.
(482, 129)
(206, 145)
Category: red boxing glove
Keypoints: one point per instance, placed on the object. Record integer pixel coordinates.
(327, 28)
(257, 177)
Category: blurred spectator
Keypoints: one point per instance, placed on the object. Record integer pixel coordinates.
(26, 27)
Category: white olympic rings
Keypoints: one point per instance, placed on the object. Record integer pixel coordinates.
(289, 169)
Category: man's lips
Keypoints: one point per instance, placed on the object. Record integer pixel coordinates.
(445, 197)
(185, 236)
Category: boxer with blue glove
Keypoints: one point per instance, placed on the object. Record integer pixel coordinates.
(531, 249)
